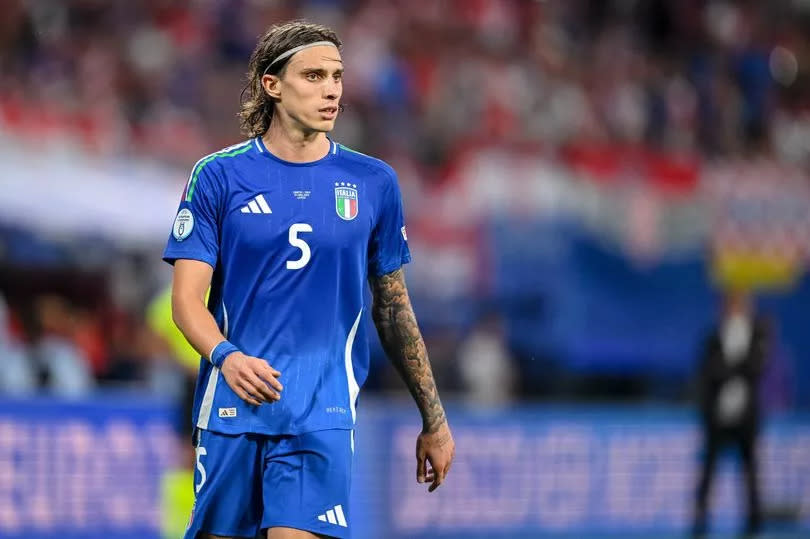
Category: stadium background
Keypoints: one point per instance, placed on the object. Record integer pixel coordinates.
(582, 180)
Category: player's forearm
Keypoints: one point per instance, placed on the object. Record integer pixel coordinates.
(403, 343)
(196, 323)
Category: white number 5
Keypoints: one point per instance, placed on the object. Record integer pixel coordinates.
(295, 241)
(201, 452)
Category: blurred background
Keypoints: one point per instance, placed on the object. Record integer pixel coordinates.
(608, 204)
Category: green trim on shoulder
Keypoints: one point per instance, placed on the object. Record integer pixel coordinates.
(245, 146)
(353, 151)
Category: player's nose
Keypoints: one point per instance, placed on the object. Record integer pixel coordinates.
(332, 90)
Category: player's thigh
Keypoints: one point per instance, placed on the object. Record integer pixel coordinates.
(227, 484)
(306, 485)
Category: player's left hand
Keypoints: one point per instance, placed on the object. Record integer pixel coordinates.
(437, 448)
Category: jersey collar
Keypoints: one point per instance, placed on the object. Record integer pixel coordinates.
(262, 149)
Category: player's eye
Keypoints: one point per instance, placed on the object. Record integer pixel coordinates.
(313, 76)
(338, 77)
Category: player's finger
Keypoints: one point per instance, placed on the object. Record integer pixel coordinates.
(245, 397)
(260, 386)
(250, 399)
(271, 380)
(265, 370)
(268, 395)
(438, 476)
(269, 375)
(421, 468)
(438, 479)
(251, 392)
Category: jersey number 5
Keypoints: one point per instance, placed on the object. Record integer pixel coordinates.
(295, 241)
(200, 452)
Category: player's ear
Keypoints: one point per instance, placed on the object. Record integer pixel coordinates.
(271, 84)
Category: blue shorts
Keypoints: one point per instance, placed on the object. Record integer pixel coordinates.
(247, 483)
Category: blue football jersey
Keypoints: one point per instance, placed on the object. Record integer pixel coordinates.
(292, 246)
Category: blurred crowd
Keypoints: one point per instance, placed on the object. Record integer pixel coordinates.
(579, 80)
(162, 78)
(58, 346)
(70, 345)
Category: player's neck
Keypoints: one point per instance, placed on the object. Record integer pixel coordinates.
(294, 144)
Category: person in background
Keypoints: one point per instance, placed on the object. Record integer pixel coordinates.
(730, 370)
(17, 373)
(486, 368)
(63, 367)
(177, 498)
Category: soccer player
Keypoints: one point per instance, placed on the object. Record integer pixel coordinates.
(287, 228)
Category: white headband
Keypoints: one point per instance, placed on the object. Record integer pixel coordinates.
(292, 51)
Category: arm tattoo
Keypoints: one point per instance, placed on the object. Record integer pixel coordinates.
(402, 342)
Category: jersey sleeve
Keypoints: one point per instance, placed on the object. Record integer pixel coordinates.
(195, 233)
(388, 248)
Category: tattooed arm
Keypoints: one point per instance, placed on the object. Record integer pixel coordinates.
(400, 337)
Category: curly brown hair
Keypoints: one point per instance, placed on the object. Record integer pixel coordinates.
(256, 107)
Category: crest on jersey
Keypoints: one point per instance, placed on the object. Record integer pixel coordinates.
(346, 200)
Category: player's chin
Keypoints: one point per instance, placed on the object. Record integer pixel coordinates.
(323, 125)
(325, 119)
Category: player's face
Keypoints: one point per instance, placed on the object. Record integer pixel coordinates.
(311, 87)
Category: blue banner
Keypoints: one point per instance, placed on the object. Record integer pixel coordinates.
(92, 469)
(83, 469)
(569, 472)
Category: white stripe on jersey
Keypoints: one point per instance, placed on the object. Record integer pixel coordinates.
(208, 399)
(354, 389)
(207, 404)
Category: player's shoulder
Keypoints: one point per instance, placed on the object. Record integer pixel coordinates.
(372, 166)
(214, 166)
(232, 154)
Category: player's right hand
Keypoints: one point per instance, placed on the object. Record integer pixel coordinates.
(252, 378)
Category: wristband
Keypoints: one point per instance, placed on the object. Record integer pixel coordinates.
(221, 351)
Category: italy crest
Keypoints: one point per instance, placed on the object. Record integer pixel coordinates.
(346, 200)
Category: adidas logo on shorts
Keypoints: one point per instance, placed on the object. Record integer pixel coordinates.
(334, 516)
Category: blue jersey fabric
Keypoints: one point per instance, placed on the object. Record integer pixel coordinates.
(292, 246)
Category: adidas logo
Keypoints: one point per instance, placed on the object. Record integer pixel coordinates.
(334, 516)
(257, 205)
